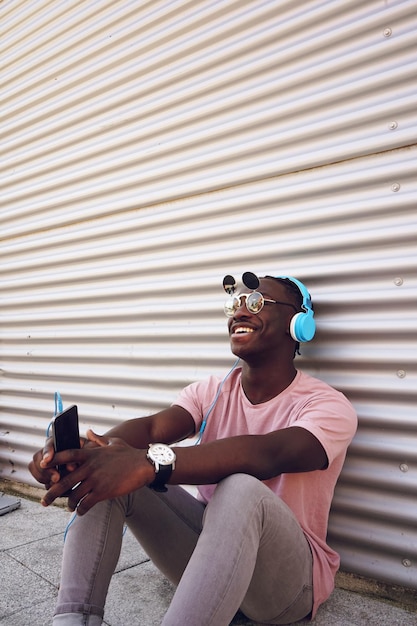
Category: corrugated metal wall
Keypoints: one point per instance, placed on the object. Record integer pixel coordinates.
(148, 148)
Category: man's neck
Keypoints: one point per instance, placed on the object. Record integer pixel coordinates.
(260, 385)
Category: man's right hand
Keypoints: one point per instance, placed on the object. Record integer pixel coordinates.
(41, 458)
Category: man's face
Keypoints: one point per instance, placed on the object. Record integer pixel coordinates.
(259, 334)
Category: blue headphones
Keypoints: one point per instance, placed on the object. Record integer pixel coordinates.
(302, 325)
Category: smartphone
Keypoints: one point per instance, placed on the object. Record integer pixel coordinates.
(66, 435)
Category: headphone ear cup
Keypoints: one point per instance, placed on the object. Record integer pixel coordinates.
(303, 326)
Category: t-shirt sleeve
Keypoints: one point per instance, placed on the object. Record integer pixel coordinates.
(196, 398)
(331, 418)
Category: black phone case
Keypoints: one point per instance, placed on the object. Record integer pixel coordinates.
(65, 432)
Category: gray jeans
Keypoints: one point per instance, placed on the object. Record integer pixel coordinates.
(245, 550)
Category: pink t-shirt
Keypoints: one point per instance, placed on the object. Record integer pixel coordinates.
(308, 403)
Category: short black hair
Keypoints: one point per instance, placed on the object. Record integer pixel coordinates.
(291, 289)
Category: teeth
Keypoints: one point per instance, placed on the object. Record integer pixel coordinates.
(243, 329)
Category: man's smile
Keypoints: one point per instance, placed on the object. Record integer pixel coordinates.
(241, 330)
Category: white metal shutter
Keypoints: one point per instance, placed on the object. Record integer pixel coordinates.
(149, 148)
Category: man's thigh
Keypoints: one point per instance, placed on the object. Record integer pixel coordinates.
(281, 583)
(167, 525)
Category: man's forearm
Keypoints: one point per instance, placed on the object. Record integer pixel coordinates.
(167, 426)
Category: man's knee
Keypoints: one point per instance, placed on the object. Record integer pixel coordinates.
(242, 483)
(236, 489)
(244, 494)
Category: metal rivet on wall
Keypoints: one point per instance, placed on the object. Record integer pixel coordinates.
(398, 281)
(401, 373)
(393, 125)
(406, 562)
(396, 187)
(404, 467)
(387, 32)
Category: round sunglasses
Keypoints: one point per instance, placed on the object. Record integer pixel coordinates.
(254, 303)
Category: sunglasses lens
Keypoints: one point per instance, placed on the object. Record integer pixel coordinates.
(231, 305)
(254, 302)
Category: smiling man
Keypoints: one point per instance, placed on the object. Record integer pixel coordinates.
(272, 442)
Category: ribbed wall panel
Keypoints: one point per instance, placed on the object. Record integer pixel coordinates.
(149, 148)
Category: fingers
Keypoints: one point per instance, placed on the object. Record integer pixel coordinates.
(65, 487)
(83, 442)
(58, 485)
(86, 503)
(38, 469)
(96, 472)
(99, 440)
(82, 499)
(102, 440)
(47, 452)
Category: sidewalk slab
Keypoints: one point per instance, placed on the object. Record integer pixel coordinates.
(31, 542)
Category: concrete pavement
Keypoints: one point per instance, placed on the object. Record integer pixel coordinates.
(31, 541)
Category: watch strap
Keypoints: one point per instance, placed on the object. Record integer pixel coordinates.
(161, 478)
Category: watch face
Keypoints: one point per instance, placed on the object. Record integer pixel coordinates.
(161, 453)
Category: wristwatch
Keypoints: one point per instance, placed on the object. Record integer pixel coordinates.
(162, 458)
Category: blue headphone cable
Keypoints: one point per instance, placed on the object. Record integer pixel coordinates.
(213, 404)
